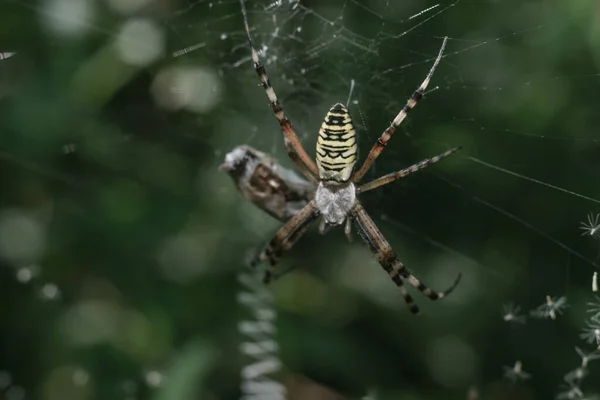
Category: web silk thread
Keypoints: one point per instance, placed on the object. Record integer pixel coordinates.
(259, 343)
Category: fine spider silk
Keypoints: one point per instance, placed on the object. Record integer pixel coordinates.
(337, 184)
(268, 185)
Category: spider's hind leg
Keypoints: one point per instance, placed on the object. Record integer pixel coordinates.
(433, 295)
(390, 263)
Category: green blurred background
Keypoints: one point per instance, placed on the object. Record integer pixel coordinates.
(120, 240)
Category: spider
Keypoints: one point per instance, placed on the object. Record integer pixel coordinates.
(335, 200)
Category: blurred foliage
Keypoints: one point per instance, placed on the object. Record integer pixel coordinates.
(120, 240)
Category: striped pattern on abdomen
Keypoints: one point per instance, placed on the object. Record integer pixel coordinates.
(336, 145)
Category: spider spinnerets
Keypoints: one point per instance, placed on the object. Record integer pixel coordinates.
(335, 200)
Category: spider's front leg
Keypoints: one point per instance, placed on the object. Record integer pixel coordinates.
(293, 146)
(285, 247)
(285, 238)
(390, 263)
(394, 176)
(387, 134)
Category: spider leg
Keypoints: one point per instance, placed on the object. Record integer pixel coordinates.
(388, 260)
(294, 237)
(387, 134)
(293, 146)
(389, 178)
(323, 228)
(348, 229)
(286, 246)
(306, 215)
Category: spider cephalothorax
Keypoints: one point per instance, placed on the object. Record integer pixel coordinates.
(335, 200)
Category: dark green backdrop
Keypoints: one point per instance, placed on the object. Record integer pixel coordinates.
(110, 196)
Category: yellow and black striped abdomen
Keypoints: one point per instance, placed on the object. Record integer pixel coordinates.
(336, 146)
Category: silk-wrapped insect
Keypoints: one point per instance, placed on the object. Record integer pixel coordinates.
(263, 181)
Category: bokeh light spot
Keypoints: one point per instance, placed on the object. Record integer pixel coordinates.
(140, 42)
(154, 378)
(185, 256)
(50, 291)
(15, 393)
(196, 89)
(91, 322)
(21, 237)
(68, 382)
(5, 379)
(128, 7)
(67, 18)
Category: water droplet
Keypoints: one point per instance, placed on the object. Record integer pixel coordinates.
(223, 36)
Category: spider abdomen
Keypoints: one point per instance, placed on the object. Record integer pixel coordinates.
(335, 202)
(336, 146)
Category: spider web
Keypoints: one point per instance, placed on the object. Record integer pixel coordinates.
(505, 211)
(511, 119)
(507, 208)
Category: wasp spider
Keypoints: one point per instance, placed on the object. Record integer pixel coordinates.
(337, 184)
